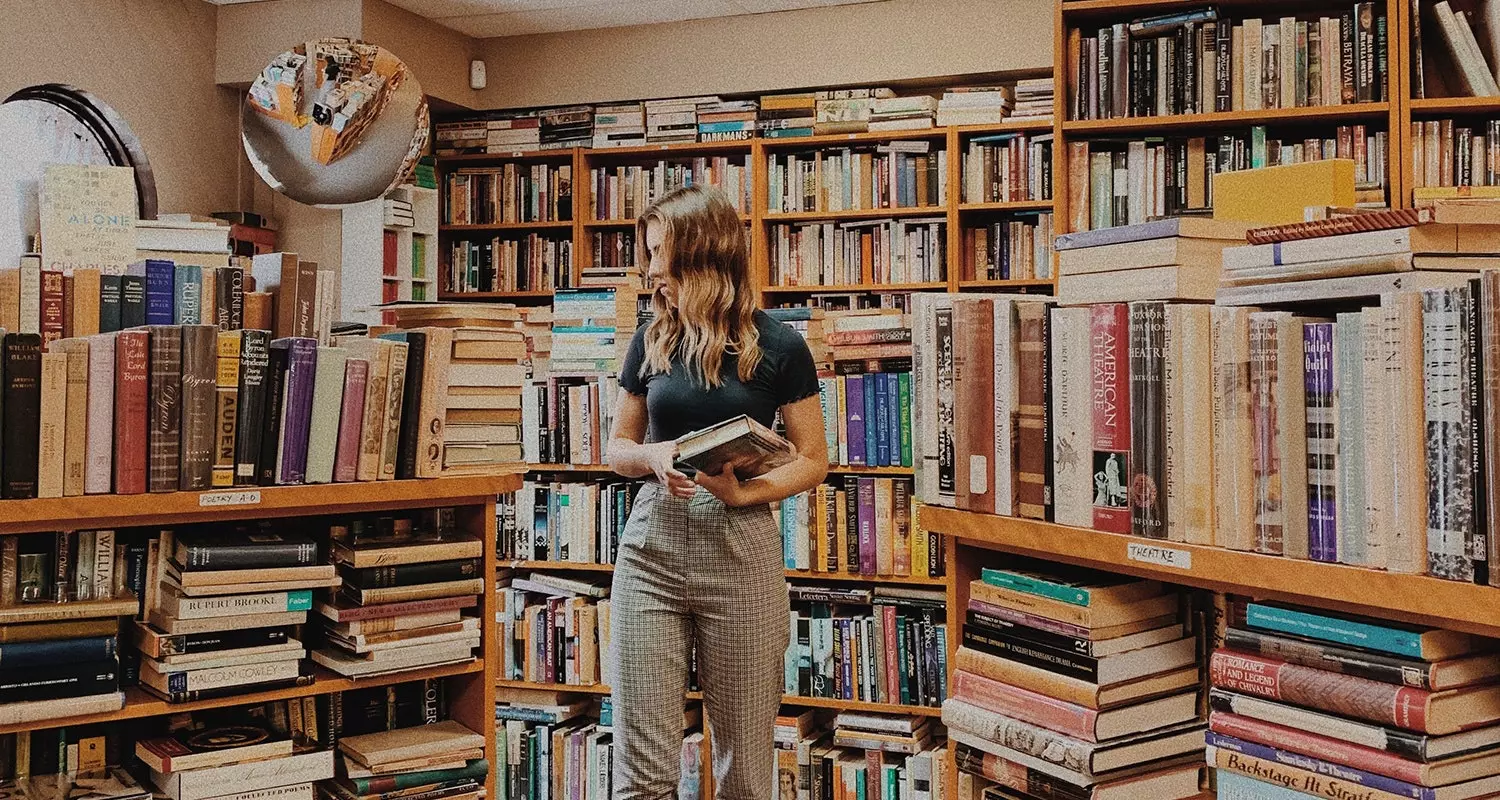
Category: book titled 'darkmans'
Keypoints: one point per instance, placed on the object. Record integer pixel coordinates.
(753, 448)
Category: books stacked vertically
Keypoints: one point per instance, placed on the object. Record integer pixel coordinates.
(567, 411)
(61, 597)
(620, 125)
(1467, 60)
(975, 105)
(1077, 683)
(221, 602)
(266, 750)
(866, 387)
(846, 110)
(883, 645)
(787, 115)
(562, 128)
(536, 262)
(1034, 99)
(673, 120)
(406, 584)
(1016, 249)
(1197, 61)
(1171, 259)
(860, 525)
(1318, 702)
(901, 757)
(622, 192)
(914, 112)
(1008, 167)
(554, 629)
(509, 193)
(901, 174)
(303, 292)
(441, 759)
(880, 251)
(614, 261)
(726, 120)
(563, 520)
(1450, 158)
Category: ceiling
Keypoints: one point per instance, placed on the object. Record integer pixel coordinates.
(490, 18)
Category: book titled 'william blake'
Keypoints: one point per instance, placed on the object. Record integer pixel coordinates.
(753, 448)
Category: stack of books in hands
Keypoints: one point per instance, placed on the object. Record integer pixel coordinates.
(238, 754)
(401, 606)
(441, 760)
(1077, 681)
(220, 608)
(1310, 703)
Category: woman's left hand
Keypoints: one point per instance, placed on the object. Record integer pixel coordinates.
(726, 486)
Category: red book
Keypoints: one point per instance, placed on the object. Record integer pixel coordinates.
(52, 307)
(1110, 356)
(351, 420)
(1338, 751)
(892, 669)
(132, 360)
(1025, 705)
(974, 389)
(388, 261)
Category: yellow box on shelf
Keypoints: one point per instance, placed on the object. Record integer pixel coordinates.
(1278, 195)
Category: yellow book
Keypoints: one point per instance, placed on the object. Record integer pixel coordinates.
(919, 551)
(841, 531)
(1279, 195)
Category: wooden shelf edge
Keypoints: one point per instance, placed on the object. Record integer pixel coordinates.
(1228, 118)
(1410, 598)
(855, 214)
(113, 510)
(880, 580)
(855, 287)
(139, 703)
(509, 226)
(1461, 105)
(789, 699)
(1008, 205)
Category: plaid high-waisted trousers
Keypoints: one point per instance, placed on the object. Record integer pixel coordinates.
(694, 571)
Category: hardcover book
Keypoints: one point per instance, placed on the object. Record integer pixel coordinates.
(100, 428)
(228, 345)
(22, 373)
(132, 410)
(1109, 338)
(1148, 450)
(327, 401)
(198, 406)
(753, 448)
(296, 408)
(250, 423)
(164, 435)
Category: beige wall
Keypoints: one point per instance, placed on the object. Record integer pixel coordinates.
(886, 41)
(438, 56)
(251, 34)
(153, 60)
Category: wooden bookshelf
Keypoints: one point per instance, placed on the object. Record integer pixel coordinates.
(856, 213)
(1334, 115)
(786, 699)
(469, 297)
(509, 226)
(839, 288)
(1013, 205)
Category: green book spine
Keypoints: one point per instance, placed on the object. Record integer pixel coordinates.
(474, 770)
(1258, 156)
(903, 384)
(1032, 585)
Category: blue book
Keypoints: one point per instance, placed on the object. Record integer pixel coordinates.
(788, 531)
(1337, 773)
(1234, 786)
(854, 405)
(1412, 641)
(798, 314)
(720, 127)
(62, 651)
(188, 285)
(786, 133)
(871, 428)
(161, 284)
(882, 420)
(893, 413)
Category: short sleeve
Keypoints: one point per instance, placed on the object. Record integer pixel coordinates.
(797, 379)
(630, 370)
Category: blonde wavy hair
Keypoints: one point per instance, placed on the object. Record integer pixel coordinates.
(703, 242)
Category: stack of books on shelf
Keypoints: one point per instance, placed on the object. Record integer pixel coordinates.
(786, 115)
(1078, 684)
(406, 583)
(59, 618)
(562, 128)
(184, 239)
(554, 629)
(673, 120)
(900, 174)
(623, 192)
(1034, 99)
(1198, 61)
(846, 110)
(861, 526)
(97, 781)
(1008, 167)
(1171, 259)
(398, 213)
(813, 324)
(614, 261)
(304, 295)
(866, 394)
(906, 250)
(565, 521)
(893, 757)
(620, 125)
(1018, 248)
(427, 760)
(536, 326)
(567, 412)
(220, 605)
(914, 112)
(250, 234)
(509, 193)
(975, 105)
(518, 133)
(883, 645)
(726, 120)
(535, 262)
(265, 750)
(1319, 704)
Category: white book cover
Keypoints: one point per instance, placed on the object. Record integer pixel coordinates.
(98, 476)
(193, 680)
(1007, 399)
(1195, 471)
(1072, 418)
(251, 776)
(297, 791)
(327, 402)
(1375, 456)
(182, 607)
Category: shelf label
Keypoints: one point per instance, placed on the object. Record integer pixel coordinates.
(216, 499)
(1160, 556)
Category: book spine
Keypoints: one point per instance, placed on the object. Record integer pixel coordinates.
(109, 303)
(944, 423)
(233, 605)
(1065, 751)
(1302, 773)
(57, 681)
(165, 433)
(100, 428)
(904, 414)
(1269, 512)
(1450, 484)
(1346, 695)
(409, 574)
(351, 420)
(854, 390)
(1083, 668)
(1373, 666)
(1014, 776)
(52, 307)
(1111, 424)
(1335, 629)
(132, 410)
(1146, 485)
(411, 405)
(198, 403)
(50, 653)
(1328, 748)
(254, 364)
(199, 680)
(51, 423)
(258, 555)
(1033, 494)
(132, 301)
(22, 388)
(160, 286)
(1477, 546)
(1322, 441)
(323, 426)
(301, 376)
(228, 345)
(1489, 390)
(158, 646)
(868, 551)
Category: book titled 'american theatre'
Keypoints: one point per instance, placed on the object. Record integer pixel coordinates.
(753, 448)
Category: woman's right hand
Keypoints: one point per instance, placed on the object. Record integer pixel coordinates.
(662, 457)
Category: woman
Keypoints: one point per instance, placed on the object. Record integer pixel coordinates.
(700, 559)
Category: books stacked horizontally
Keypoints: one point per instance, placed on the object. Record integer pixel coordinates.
(398, 213)
(221, 605)
(517, 133)
(1076, 683)
(406, 585)
(673, 120)
(98, 783)
(183, 238)
(536, 326)
(975, 105)
(61, 598)
(536, 262)
(726, 120)
(532, 643)
(568, 409)
(1324, 704)
(254, 751)
(620, 125)
(898, 757)
(562, 128)
(787, 115)
(250, 234)
(485, 376)
(441, 759)
(1034, 99)
(1170, 259)
(914, 112)
(858, 525)
(562, 520)
(882, 645)
(847, 110)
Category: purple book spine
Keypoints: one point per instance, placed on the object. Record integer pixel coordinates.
(302, 363)
(854, 403)
(1358, 777)
(867, 526)
(1322, 442)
